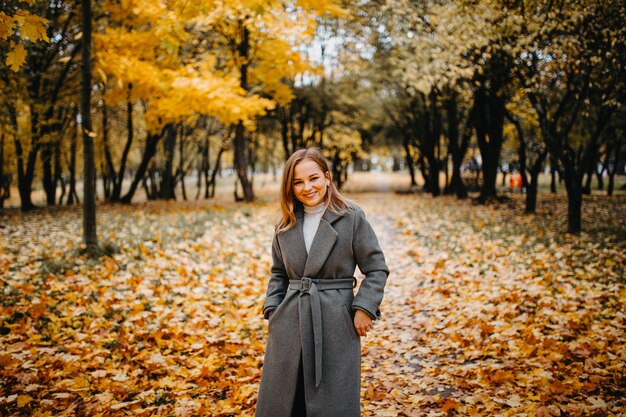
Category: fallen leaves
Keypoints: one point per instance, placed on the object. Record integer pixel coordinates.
(503, 320)
(482, 315)
(153, 330)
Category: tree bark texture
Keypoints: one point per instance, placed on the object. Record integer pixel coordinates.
(89, 197)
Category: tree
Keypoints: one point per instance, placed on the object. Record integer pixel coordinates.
(567, 54)
(263, 42)
(152, 57)
(19, 27)
(89, 198)
(40, 87)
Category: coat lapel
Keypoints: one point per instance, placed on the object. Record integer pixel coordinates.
(322, 244)
(292, 244)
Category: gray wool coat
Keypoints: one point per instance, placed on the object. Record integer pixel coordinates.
(313, 320)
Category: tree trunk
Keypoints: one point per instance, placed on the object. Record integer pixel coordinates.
(453, 145)
(216, 169)
(574, 201)
(533, 185)
(108, 170)
(531, 193)
(73, 195)
(89, 197)
(58, 170)
(283, 115)
(241, 143)
(489, 122)
(107, 182)
(3, 195)
(589, 174)
(617, 150)
(433, 148)
(181, 171)
(337, 173)
(121, 173)
(553, 172)
(203, 171)
(241, 162)
(168, 184)
(409, 159)
(23, 183)
(151, 146)
(47, 177)
(600, 178)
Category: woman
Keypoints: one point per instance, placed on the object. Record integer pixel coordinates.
(312, 362)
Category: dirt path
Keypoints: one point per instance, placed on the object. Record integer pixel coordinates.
(479, 318)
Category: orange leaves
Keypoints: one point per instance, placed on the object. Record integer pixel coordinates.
(449, 404)
(492, 323)
(501, 376)
(374, 393)
(474, 323)
(6, 360)
(544, 411)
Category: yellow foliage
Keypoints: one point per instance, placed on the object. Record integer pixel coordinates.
(29, 27)
(147, 46)
(16, 57)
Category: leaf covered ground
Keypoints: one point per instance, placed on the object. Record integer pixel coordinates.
(487, 311)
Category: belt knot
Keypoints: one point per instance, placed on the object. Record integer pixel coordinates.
(305, 286)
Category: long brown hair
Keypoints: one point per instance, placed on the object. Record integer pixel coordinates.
(333, 200)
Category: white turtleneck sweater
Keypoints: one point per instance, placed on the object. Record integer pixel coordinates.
(312, 216)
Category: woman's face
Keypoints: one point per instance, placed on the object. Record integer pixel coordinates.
(309, 183)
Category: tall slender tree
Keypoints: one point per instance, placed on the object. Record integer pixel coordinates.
(90, 238)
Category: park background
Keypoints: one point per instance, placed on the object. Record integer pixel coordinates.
(141, 147)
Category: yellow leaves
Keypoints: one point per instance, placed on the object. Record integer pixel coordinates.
(7, 23)
(172, 325)
(28, 27)
(6, 360)
(148, 51)
(491, 341)
(324, 8)
(16, 57)
(31, 27)
(22, 400)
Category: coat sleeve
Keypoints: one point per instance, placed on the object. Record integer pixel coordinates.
(371, 261)
(279, 281)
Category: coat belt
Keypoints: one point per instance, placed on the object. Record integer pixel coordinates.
(311, 287)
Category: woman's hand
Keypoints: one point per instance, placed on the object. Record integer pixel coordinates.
(362, 323)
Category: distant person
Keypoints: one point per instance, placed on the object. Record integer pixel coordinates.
(313, 356)
(520, 183)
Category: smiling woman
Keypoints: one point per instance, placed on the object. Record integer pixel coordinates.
(313, 356)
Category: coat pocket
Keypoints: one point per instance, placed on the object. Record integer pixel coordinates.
(349, 322)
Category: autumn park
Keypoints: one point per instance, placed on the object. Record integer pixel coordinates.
(142, 146)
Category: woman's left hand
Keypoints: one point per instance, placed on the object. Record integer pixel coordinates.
(362, 322)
